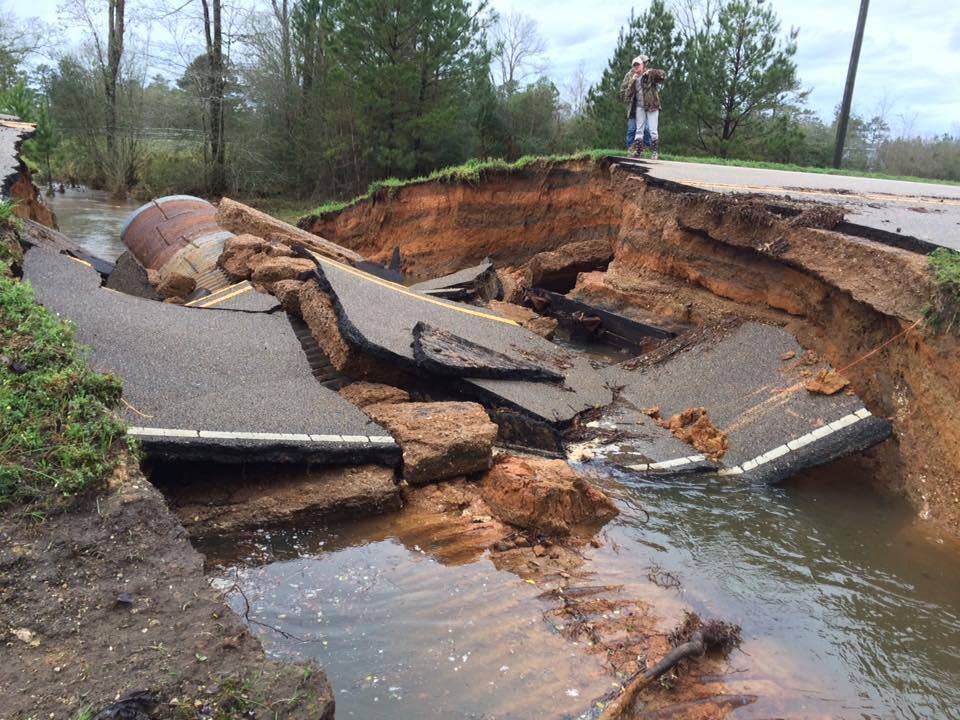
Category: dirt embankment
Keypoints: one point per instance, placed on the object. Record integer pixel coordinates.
(510, 217)
(111, 598)
(692, 257)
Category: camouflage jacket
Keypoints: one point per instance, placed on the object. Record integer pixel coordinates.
(650, 96)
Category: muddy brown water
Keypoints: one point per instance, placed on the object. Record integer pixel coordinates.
(92, 219)
(848, 608)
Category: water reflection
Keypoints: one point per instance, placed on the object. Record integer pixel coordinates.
(92, 219)
(847, 609)
(845, 605)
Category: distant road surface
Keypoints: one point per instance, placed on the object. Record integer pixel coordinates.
(924, 211)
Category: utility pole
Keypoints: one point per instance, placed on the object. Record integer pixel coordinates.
(848, 90)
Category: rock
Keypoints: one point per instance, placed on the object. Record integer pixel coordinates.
(153, 277)
(237, 251)
(439, 440)
(363, 394)
(280, 268)
(693, 427)
(557, 270)
(175, 300)
(269, 496)
(239, 218)
(287, 293)
(544, 495)
(130, 277)
(176, 284)
(788, 356)
(827, 382)
(527, 318)
(514, 284)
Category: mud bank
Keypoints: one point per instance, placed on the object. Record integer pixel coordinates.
(111, 598)
(691, 257)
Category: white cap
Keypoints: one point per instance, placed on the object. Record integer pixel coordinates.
(640, 60)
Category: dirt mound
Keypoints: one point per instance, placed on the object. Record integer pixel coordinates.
(544, 495)
(827, 382)
(693, 427)
(110, 598)
(439, 440)
(363, 394)
(558, 269)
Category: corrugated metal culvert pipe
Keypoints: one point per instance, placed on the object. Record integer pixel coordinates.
(178, 233)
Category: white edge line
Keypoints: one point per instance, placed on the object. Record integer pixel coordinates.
(262, 436)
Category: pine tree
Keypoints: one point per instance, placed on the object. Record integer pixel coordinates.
(410, 65)
(652, 34)
(741, 73)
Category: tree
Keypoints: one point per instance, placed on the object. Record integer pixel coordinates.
(653, 34)
(740, 71)
(216, 83)
(517, 49)
(410, 66)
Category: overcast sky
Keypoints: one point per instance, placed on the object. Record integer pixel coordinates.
(910, 57)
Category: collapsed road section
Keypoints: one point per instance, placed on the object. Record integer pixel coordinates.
(734, 401)
(209, 384)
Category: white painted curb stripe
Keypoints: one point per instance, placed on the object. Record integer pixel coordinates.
(777, 452)
(261, 436)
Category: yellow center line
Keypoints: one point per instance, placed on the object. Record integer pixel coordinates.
(201, 301)
(222, 298)
(410, 293)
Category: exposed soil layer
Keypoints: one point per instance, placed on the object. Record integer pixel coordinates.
(695, 257)
(110, 598)
(218, 501)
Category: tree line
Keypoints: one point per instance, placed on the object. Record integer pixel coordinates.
(318, 98)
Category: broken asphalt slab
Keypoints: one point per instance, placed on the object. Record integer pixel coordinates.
(213, 385)
(892, 211)
(774, 426)
(379, 317)
(479, 281)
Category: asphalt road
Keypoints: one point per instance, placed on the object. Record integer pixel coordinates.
(925, 211)
(381, 316)
(750, 393)
(207, 375)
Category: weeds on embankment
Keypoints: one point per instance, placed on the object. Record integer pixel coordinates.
(471, 171)
(57, 431)
(942, 314)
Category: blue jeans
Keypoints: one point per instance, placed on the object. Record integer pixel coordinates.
(632, 133)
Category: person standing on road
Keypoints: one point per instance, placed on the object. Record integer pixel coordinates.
(640, 92)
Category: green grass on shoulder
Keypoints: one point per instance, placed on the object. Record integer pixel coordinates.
(471, 171)
(58, 436)
(944, 312)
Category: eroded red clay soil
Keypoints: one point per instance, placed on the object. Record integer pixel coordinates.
(695, 257)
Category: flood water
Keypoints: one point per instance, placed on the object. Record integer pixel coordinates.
(848, 610)
(92, 219)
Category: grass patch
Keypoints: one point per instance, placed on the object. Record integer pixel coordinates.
(943, 312)
(6, 212)
(471, 172)
(57, 431)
